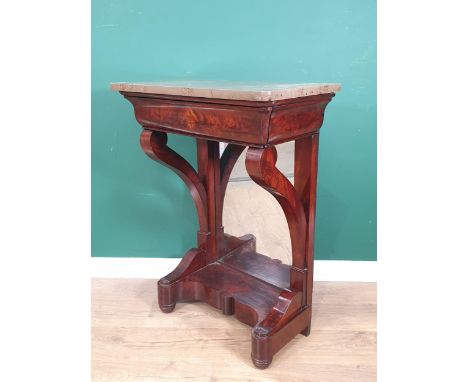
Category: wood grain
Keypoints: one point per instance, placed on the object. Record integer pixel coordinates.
(154, 144)
(132, 340)
(234, 121)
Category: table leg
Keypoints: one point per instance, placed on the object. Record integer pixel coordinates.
(305, 182)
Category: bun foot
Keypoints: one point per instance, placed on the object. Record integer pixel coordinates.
(167, 308)
(261, 363)
(306, 331)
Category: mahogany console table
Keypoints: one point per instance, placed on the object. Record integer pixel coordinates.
(226, 271)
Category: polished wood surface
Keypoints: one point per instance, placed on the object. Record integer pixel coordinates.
(133, 341)
(242, 122)
(225, 271)
(154, 144)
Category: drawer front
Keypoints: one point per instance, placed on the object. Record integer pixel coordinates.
(231, 123)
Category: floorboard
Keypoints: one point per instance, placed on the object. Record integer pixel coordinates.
(133, 341)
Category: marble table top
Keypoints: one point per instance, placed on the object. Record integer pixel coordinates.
(248, 91)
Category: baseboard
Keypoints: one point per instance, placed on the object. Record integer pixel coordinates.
(155, 268)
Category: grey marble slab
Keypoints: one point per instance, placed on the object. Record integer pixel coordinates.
(248, 91)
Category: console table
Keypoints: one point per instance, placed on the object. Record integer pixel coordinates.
(226, 271)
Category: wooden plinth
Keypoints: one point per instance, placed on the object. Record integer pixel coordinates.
(252, 287)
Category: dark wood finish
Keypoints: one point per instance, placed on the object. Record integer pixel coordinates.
(229, 158)
(305, 182)
(225, 271)
(242, 122)
(154, 144)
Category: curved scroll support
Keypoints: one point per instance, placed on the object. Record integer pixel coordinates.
(260, 164)
(154, 144)
(228, 160)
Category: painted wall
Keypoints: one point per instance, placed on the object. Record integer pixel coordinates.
(142, 209)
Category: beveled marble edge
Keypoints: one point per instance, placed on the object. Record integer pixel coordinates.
(230, 90)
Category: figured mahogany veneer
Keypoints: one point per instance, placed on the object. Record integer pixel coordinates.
(225, 271)
(244, 122)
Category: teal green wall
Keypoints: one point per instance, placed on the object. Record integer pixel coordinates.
(142, 209)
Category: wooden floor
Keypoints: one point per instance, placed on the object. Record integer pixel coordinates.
(133, 341)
